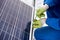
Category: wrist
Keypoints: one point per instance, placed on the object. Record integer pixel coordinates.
(45, 7)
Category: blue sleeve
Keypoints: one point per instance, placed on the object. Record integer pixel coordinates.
(54, 23)
(51, 3)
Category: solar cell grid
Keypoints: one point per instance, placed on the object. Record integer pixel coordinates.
(14, 17)
(1, 4)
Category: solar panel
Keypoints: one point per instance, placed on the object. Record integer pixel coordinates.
(15, 17)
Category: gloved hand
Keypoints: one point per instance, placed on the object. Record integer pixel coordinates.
(36, 23)
(40, 12)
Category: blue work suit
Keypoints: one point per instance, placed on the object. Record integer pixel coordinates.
(52, 31)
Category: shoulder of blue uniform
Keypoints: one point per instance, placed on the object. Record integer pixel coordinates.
(51, 2)
(54, 23)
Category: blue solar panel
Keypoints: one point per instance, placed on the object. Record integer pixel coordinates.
(15, 17)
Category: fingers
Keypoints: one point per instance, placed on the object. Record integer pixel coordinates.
(37, 23)
(40, 12)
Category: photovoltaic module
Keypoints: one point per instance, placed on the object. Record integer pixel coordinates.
(15, 17)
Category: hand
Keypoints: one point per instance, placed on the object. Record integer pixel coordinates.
(36, 23)
(40, 12)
